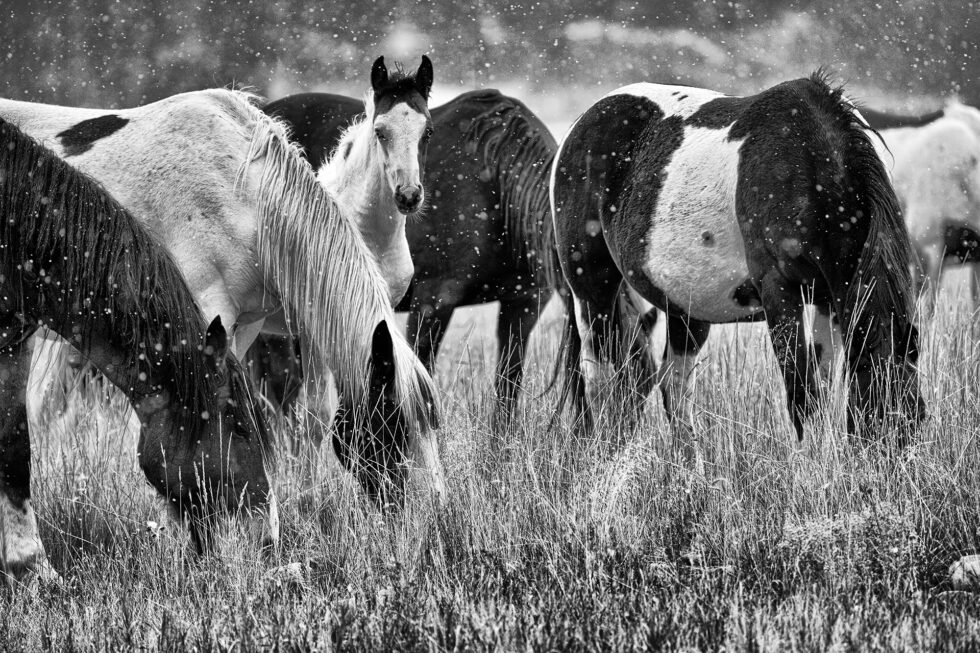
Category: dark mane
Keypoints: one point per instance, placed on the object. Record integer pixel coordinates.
(115, 274)
(882, 280)
(517, 151)
(879, 120)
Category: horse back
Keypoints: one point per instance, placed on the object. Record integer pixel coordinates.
(316, 121)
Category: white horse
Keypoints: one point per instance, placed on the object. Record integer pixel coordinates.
(375, 172)
(265, 248)
(933, 161)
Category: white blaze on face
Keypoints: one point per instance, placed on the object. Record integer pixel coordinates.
(399, 132)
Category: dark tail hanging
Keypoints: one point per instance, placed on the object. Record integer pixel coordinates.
(517, 151)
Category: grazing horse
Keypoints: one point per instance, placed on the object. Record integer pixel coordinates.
(484, 236)
(74, 261)
(262, 246)
(935, 165)
(725, 209)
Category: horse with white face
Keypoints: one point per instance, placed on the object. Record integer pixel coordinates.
(934, 160)
(77, 263)
(726, 209)
(261, 244)
(376, 171)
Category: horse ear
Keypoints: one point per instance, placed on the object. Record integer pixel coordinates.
(216, 343)
(379, 74)
(382, 358)
(423, 77)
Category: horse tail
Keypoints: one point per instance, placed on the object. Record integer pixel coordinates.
(568, 363)
(517, 151)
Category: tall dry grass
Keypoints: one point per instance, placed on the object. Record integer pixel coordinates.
(552, 541)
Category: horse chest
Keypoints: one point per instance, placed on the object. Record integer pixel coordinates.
(691, 249)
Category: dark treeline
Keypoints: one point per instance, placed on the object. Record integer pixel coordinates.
(110, 53)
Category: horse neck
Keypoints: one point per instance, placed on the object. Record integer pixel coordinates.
(360, 187)
(148, 396)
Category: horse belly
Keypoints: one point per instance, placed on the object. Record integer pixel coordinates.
(695, 252)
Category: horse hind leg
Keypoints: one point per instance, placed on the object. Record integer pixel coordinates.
(22, 552)
(685, 338)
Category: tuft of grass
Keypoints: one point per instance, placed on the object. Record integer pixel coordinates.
(548, 540)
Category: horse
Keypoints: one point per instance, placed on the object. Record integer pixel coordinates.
(75, 262)
(376, 172)
(719, 209)
(935, 165)
(263, 246)
(484, 236)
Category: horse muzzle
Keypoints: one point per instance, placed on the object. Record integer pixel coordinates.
(408, 198)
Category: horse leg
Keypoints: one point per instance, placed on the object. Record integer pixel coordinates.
(685, 337)
(433, 303)
(637, 376)
(784, 315)
(931, 258)
(514, 325)
(22, 551)
(826, 341)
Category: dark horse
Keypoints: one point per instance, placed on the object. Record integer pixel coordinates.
(725, 209)
(485, 235)
(77, 263)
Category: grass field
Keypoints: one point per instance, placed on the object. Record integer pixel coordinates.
(603, 543)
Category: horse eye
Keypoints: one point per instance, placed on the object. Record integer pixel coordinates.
(381, 135)
(428, 134)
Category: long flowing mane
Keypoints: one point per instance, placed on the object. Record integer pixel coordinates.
(517, 151)
(331, 288)
(113, 268)
(882, 281)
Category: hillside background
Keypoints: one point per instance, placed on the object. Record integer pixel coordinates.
(905, 55)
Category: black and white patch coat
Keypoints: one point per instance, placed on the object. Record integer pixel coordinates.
(714, 209)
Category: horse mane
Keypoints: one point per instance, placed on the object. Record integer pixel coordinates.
(879, 120)
(53, 212)
(517, 151)
(326, 278)
(882, 282)
(331, 171)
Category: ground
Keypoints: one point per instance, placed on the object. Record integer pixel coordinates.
(602, 542)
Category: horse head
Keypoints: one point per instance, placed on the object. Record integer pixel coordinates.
(885, 378)
(372, 439)
(402, 128)
(220, 467)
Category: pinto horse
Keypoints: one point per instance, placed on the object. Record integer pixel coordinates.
(77, 263)
(725, 209)
(264, 247)
(484, 236)
(935, 165)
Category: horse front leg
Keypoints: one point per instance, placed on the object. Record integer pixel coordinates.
(22, 553)
(783, 304)
(432, 307)
(514, 325)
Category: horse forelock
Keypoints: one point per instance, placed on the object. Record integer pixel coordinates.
(331, 288)
(103, 250)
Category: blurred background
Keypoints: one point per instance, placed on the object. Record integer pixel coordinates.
(558, 55)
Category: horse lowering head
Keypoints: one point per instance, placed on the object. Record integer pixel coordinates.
(402, 128)
(372, 439)
(885, 379)
(219, 467)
